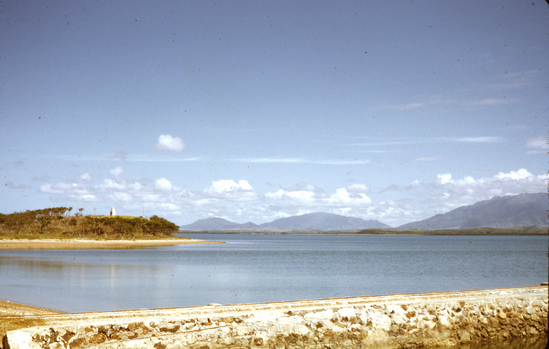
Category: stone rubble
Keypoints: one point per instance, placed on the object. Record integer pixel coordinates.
(398, 321)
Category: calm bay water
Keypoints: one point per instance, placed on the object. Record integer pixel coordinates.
(266, 268)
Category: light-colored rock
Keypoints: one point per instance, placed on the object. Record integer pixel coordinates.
(347, 313)
(381, 321)
(320, 316)
(431, 320)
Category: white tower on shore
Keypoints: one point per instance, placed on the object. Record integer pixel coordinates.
(113, 211)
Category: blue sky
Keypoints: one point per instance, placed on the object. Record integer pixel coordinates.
(258, 110)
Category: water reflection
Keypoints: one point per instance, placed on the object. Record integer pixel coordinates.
(82, 286)
(260, 268)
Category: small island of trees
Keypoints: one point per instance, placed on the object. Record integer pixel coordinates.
(57, 222)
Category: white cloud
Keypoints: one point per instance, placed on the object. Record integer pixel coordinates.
(117, 172)
(72, 191)
(506, 86)
(384, 142)
(50, 189)
(413, 105)
(408, 106)
(58, 188)
(426, 159)
(84, 177)
(341, 162)
(170, 143)
(296, 195)
(335, 162)
(84, 198)
(156, 159)
(272, 160)
(148, 197)
(169, 206)
(343, 197)
(445, 178)
(163, 184)
(228, 185)
(358, 188)
(374, 142)
(540, 145)
(118, 196)
(475, 139)
(111, 184)
(493, 101)
(314, 199)
(514, 181)
(515, 175)
(437, 100)
(512, 81)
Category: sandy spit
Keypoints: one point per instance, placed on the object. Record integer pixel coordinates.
(63, 244)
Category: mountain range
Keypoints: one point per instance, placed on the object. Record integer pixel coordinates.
(498, 212)
(311, 221)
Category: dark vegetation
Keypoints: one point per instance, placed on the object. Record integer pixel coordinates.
(57, 222)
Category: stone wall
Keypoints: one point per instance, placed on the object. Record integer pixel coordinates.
(395, 321)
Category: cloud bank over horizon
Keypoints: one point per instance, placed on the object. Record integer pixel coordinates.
(239, 202)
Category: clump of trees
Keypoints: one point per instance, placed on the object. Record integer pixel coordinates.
(57, 222)
(124, 227)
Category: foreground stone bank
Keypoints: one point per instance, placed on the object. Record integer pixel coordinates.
(394, 321)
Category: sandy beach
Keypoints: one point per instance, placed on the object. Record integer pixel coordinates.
(63, 244)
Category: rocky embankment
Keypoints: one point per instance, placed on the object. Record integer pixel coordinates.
(396, 321)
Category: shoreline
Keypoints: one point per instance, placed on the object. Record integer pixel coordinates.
(387, 232)
(78, 244)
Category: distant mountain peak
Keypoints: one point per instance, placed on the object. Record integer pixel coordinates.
(216, 223)
(311, 221)
(498, 212)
